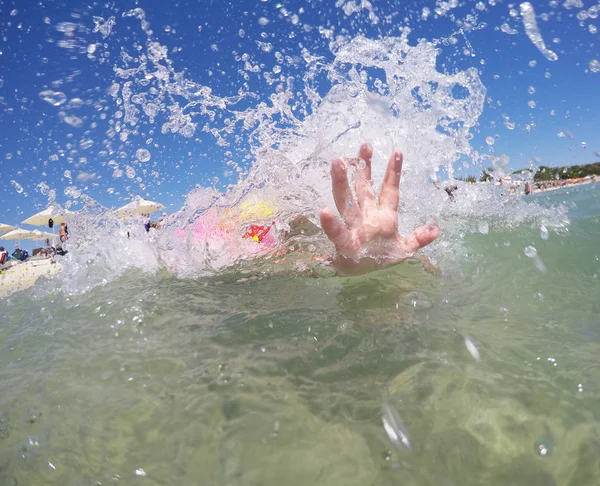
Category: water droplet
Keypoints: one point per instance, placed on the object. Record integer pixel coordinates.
(473, 351)
(55, 98)
(140, 472)
(544, 446)
(483, 227)
(595, 66)
(490, 140)
(417, 300)
(531, 90)
(86, 144)
(532, 31)
(530, 251)
(394, 427)
(74, 121)
(143, 155)
(17, 186)
(544, 232)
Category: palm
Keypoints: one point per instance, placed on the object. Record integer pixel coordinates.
(370, 236)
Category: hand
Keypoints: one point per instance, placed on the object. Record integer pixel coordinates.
(369, 238)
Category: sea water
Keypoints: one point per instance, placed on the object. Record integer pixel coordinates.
(492, 370)
(170, 359)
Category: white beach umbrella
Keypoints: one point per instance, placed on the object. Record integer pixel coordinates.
(139, 206)
(5, 228)
(42, 235)
(19, 234)
(25, 234)
(52, 213)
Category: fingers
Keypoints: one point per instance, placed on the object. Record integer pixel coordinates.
(366, 153)
(340, 187)
(422, 236)
(363, 185)
(390, 188)
(335, 229)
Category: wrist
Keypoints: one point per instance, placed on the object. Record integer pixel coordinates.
(347, 266)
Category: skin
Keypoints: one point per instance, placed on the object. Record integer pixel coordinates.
(366, 237)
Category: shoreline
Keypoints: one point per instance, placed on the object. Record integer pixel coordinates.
(561, 184)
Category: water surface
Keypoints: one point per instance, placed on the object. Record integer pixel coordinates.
(282, 379)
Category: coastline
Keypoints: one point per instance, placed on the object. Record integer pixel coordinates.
(555, 185)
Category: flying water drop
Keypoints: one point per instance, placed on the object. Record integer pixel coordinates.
(18, 187)
(532, 31)
(55, 98)
(472, 349)
(394, 427)
(143, 155)
(74, 121)
(531, 252)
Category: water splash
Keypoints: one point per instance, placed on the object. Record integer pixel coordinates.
(388, 91)
(533, 32)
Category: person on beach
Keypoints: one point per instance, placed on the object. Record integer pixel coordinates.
(19, 254)
(62, 233)
(48, 250)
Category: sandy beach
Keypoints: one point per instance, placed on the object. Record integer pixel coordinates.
(24, 275)
(554, 185)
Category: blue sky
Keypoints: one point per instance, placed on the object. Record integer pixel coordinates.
(38, 53)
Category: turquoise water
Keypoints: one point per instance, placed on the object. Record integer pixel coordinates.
(282, 380)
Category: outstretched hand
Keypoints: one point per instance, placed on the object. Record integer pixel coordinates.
(368, 237)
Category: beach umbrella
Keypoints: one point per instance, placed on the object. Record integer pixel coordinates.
(43, 218)
(5, 228)
(42, 235)
(25, 234)
(139, 206)
(19, 234)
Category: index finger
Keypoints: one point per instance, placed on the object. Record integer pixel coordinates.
(390, 193)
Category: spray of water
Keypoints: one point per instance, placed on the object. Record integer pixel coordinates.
(389, 91)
